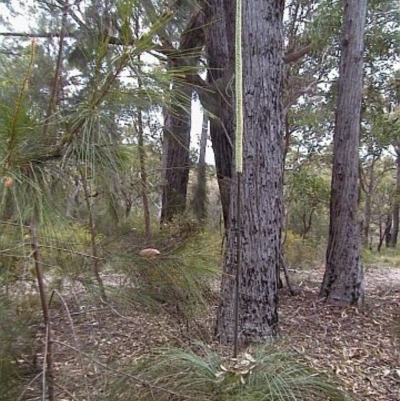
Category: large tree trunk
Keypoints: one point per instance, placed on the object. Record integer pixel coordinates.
(343, 279)
(262, 179)
(219, 17)
(176, 145)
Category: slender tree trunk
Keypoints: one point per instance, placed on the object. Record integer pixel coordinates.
(343, 279)
(388, 230)
(306, 219)
(396, 204)
(93, 235)
(143, 175)
(262, 192)
(48, 370)
(368, 188)
(142, 151)
(200, 193)
(368, 209)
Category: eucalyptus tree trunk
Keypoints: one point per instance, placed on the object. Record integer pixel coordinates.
(176, 146)
(262, 190)
(219, 44)
(343, 279)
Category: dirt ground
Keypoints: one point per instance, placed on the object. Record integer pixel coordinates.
(360, 346)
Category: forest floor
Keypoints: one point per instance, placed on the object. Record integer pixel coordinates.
(360, 346)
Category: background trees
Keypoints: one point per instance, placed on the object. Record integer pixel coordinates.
(96, 150)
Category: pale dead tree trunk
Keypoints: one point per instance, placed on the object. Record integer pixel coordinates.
(396, 204)
(262, 191)
(200, 193)
(343, 279)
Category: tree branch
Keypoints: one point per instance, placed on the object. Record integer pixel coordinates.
(36, 35)
(296, 54)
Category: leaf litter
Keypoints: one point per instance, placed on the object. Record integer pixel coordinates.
(359, 346)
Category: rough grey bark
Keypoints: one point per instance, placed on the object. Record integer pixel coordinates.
(262, 179)
(219, 45)
(343, 279)
(176, 146)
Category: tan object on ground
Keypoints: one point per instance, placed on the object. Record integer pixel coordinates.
(149, 252)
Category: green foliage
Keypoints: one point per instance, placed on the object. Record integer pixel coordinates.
(65, 251)
(388, 257)
(180, 280)
(300, 252)
(264, 374)
(16, 343)
(310, 188)
(307, 196)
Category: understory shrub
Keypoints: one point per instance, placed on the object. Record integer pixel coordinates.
(264, 374)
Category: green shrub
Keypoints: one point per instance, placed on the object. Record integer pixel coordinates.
(299, 252)
(388, 257)
(264, 375)
(17, 344)
(179, 280)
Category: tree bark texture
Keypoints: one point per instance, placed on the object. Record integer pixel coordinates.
(262, 181)
(219, 40)
(343, 279)
(176, 146)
